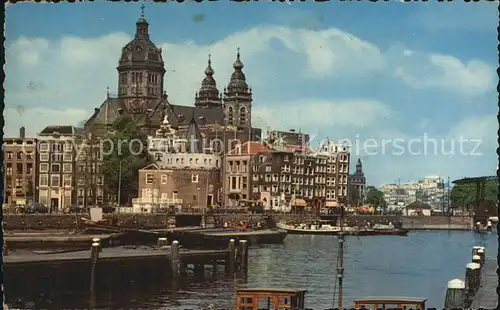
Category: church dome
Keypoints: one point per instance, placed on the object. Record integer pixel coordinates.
(141, 50)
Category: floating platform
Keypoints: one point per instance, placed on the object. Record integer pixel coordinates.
(53, 240)
(219, 237)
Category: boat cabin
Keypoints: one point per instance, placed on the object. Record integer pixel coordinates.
(390, 303)
(254, 299)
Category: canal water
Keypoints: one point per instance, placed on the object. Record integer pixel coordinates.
(419, 265)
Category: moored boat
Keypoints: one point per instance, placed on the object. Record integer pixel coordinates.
(380, 229)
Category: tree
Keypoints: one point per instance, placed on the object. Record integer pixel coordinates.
(126, 145)
(376, 199)
(464, 195)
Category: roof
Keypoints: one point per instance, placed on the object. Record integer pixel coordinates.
(255, 147)
(418, 205)
(271, 290)
(475, 180)
(296, 148)
(108, 113)
(184, 114)
(389, 300)
(65, 130)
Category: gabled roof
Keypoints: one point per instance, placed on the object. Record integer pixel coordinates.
(64, 130)
(109, 112)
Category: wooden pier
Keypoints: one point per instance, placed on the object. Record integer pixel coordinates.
(486, 297)
(102, 270)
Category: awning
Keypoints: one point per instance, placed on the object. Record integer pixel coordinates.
(299, 203)
(331, 204)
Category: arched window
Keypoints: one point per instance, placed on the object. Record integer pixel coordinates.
(243, 115)
(230, 115)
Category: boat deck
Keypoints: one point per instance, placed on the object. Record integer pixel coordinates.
(486, 297)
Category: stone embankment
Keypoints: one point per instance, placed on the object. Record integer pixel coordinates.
(158, 221)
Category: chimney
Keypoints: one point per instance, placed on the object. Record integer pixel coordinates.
(22, 132)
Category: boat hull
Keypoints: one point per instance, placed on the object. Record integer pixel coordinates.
(350, 231)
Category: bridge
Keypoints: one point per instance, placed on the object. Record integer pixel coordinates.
(480, 185)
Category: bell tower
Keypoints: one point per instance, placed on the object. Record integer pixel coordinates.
(141, 71)
(238, 97)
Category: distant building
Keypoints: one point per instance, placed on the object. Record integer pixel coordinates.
(429, 190)
(357, 184)
(20, 177)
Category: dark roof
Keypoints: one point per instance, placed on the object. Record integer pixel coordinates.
(65, 130)
(184, 114)
(109, 113)
(475, 180)
(418, 205)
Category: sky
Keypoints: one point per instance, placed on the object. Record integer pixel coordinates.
(411, 86)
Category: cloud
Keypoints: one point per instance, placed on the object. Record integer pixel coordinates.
(35, 119)
(303, 79)
(423, 71)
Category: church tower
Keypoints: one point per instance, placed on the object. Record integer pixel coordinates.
(208, 95)
(359, 167)
(238, 97)
(141, 71)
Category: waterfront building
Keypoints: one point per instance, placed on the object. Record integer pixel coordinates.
(20, 177)
(429, 190)
(282, 176)
(357, 185)
(56, 165)
(183, 174)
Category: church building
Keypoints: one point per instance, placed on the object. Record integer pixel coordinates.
(142, 96)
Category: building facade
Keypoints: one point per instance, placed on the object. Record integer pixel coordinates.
(56, 166)
(182, 174)
(282, 177)
(20, 172)
(429, 190)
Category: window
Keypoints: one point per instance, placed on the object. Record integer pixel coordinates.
(44, 157)
(67, 167)
(100, 181)
(55, 180)
(194, 178)
(67, 156)
(243, 116)
(67, 180)
(44, 179)
(149, 178)
(81, 168)
(67, 147)
(29, 169)
(56, 147)
(29, 155)
(164, 178)
(20, 155)
(56, 168)
(44, 167)
(9, 169)
(81, 193)
(44, 147)
(81, 181)
(9, 155)
(56, 157)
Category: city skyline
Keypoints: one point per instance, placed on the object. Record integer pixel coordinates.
(305, 68)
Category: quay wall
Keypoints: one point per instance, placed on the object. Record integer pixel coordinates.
(158, 221)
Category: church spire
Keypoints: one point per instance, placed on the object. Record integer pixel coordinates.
(208, 95)
(237, 83)
(142, 25)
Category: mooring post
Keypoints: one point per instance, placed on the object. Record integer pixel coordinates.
(455, 295)
(98, 241)
(175, 261)
(243, 255)
(161, 242)
(480, 253)
(230, 258)
(94, 257)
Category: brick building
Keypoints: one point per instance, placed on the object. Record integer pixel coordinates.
(20, 177)
(182, 173)
(357, 185)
